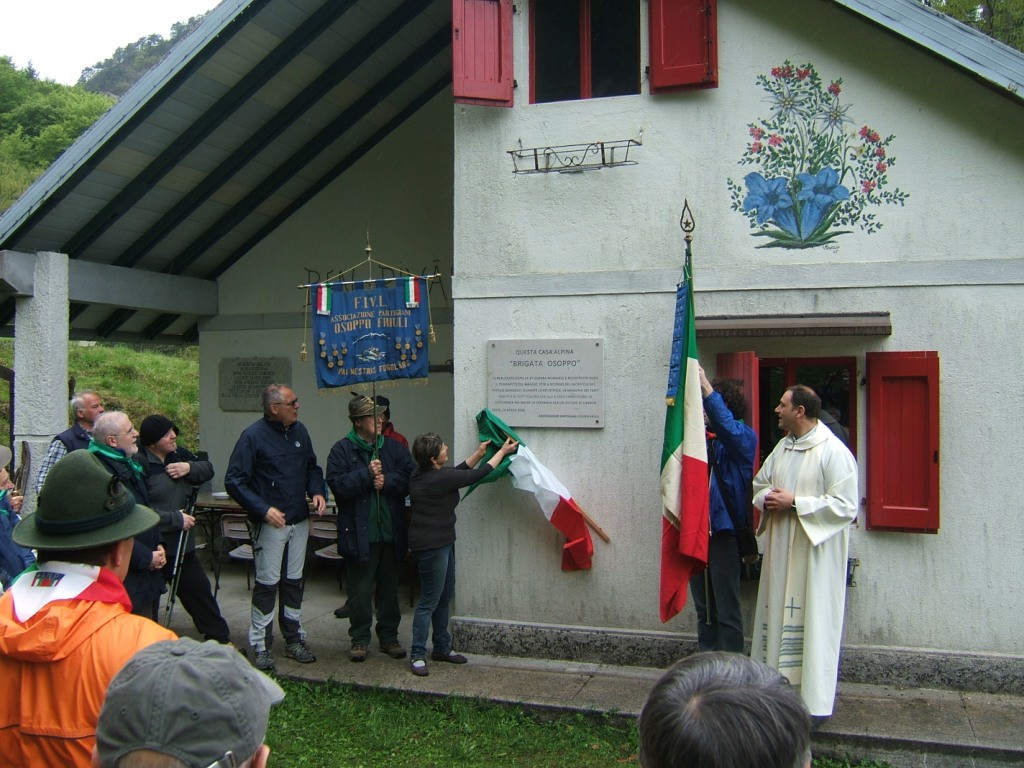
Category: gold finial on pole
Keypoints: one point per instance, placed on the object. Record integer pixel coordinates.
(686, 222)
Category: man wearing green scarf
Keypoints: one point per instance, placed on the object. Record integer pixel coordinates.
(369, 477)
(115, 443)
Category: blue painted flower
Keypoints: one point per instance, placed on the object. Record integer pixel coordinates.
(817, 195)
(771, 200)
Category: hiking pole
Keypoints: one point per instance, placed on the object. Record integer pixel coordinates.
(179, 557)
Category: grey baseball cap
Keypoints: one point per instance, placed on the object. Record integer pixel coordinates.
(193, 701)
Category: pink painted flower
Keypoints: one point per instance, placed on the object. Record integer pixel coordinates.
(867, 186)
(756, 147)
(756, 132)
(774, 140)
(802, 74)
(880, 152)
(881, 167)
(874, 137)
(865, 132)
(834, 89)
(782, 72)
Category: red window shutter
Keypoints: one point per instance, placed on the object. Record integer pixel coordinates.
(684, 44)
(482, 52)
(903, 441)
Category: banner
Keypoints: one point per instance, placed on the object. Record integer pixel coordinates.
(372, 330)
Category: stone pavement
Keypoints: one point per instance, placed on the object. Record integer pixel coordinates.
(908, 728)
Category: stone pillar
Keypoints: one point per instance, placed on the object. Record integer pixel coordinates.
(41, 363)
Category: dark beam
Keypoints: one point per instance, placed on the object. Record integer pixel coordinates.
(115, 320)
(346, 64)
(193, 136)
(435, 88)
(357, 111)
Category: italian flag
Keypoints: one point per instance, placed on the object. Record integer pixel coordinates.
(684, 462)
(413, 292)
(323, 299)
(528, 474)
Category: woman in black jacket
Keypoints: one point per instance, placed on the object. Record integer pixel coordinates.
(434, 494)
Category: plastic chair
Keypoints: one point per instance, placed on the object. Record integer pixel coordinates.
(235, 529)
(326, 529)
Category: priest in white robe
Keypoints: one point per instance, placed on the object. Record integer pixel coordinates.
(807, 493)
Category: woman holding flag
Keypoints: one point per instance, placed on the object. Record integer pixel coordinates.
(434, 494)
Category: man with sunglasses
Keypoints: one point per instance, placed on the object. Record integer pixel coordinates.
(273, 475)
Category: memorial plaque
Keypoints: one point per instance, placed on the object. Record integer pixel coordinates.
(546, 382)
(242, 380)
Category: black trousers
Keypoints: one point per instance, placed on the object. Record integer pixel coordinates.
(196, 597)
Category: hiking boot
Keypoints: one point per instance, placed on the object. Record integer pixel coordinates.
(300, 652)
(451, 657)
(343, 612)
(393, 649)
(419, 668)
(264, 661)
(358, 653)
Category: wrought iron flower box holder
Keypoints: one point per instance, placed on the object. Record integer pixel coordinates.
(571, 158)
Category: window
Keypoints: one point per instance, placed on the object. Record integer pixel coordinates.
(903, 441)
(831, 378)
(582, 49)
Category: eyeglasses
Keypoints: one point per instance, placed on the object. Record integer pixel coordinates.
(131, 431)
(290, 403)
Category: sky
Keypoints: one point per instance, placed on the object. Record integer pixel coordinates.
(63, 37)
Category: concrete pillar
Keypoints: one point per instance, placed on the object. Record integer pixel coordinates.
(41, 363)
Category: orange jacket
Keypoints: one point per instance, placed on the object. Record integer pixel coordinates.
(55, 668)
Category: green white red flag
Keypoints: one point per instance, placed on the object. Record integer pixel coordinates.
(555, 500)
(684, 461)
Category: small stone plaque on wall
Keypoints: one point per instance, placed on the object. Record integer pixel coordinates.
(546, 382)
(242, 380)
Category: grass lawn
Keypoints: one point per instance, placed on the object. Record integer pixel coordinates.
(329, 724)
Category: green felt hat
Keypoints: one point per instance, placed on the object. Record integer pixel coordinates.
(81, 505)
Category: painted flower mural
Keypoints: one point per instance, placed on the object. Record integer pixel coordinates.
(817, 174)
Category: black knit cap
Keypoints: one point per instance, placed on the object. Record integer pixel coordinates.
(155, 427)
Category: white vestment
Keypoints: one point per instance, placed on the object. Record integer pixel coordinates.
(798, 622)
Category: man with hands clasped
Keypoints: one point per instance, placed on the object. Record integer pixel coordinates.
(369, 477)
(807, 489)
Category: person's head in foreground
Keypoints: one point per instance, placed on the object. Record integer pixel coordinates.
(724, 710)
(186, 704)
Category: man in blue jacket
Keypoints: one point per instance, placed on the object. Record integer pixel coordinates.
(369, 477)
(271, 474)
(731, 448)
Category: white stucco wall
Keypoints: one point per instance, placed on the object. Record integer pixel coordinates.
(399, 193)
(605, 248)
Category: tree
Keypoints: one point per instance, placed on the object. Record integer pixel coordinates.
(115, 75)
(39, 119)
(1002, 20)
